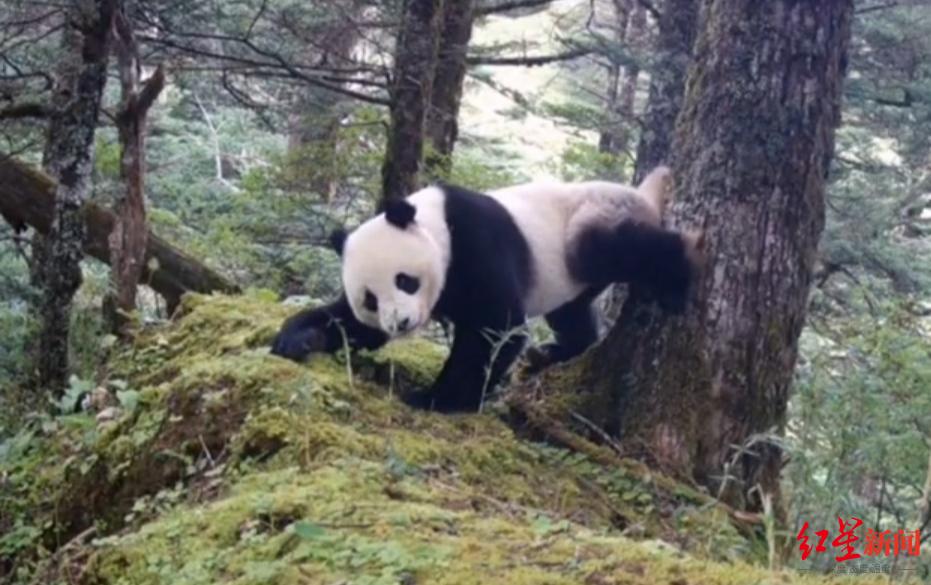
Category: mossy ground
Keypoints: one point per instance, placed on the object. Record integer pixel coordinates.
(234, 466)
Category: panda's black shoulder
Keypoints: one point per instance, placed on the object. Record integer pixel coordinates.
(487, 247)
(473, 212)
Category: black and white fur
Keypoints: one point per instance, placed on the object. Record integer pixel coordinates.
(486, 263)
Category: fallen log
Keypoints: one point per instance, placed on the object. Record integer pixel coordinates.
(27, 198)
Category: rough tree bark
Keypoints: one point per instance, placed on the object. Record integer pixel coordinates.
(752, 148)
(442, 127)
(414, 68)
(69, 159)
(27, 198)
(65, 78)
(130, 231)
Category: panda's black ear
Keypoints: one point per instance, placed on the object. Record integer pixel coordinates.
(399, 212)
(338, 240)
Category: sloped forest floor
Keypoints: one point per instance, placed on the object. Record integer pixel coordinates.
(218, 463)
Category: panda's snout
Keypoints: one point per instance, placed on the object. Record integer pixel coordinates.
(398, 325)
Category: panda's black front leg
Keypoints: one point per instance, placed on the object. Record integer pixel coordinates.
(575, 328)
(478, 360)
(325, 329)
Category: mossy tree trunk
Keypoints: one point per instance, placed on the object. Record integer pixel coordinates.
(415, 61)
(442, 117)
(752, 148)
(69, 159)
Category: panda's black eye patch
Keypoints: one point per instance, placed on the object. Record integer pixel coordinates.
(407, 283)
(370, 302)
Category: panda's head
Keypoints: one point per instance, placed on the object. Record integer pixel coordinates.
(393, 269)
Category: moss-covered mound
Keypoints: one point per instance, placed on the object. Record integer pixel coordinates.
(223, 464)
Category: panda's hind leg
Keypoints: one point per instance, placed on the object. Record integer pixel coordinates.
(575, 327)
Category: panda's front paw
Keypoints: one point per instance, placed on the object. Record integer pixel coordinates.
(297, 345)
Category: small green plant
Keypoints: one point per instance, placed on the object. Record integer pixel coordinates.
(499, 340)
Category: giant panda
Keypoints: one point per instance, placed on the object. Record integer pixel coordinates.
(488, 262)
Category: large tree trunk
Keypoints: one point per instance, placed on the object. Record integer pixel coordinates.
(67, 69)
(130, 231)
(414, 68)
(27, 198)
(753, 144)
(69, 159)
(442, 127)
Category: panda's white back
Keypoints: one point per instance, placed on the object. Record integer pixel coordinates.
(550, 216)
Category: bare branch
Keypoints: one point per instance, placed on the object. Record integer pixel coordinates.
(275, 61)
(508, 6)
(150, 90)
(530, 61)
(877, 7)
(27, 110)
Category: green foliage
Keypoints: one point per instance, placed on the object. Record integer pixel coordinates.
(344, 162)
(16, 323)
(859, 420)
(106, 158)
(480, 167)
(579, 114)
(582, 161)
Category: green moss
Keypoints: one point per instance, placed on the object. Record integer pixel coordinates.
(241, 467)
(412, 362)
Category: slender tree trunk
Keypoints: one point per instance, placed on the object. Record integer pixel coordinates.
(442, 117)
(678, 24)
(753, 144)
(69, 159)
(636, 33)
(610, 137)
(414, 68)
(130, 232)
(607, 138)
(630, 22)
